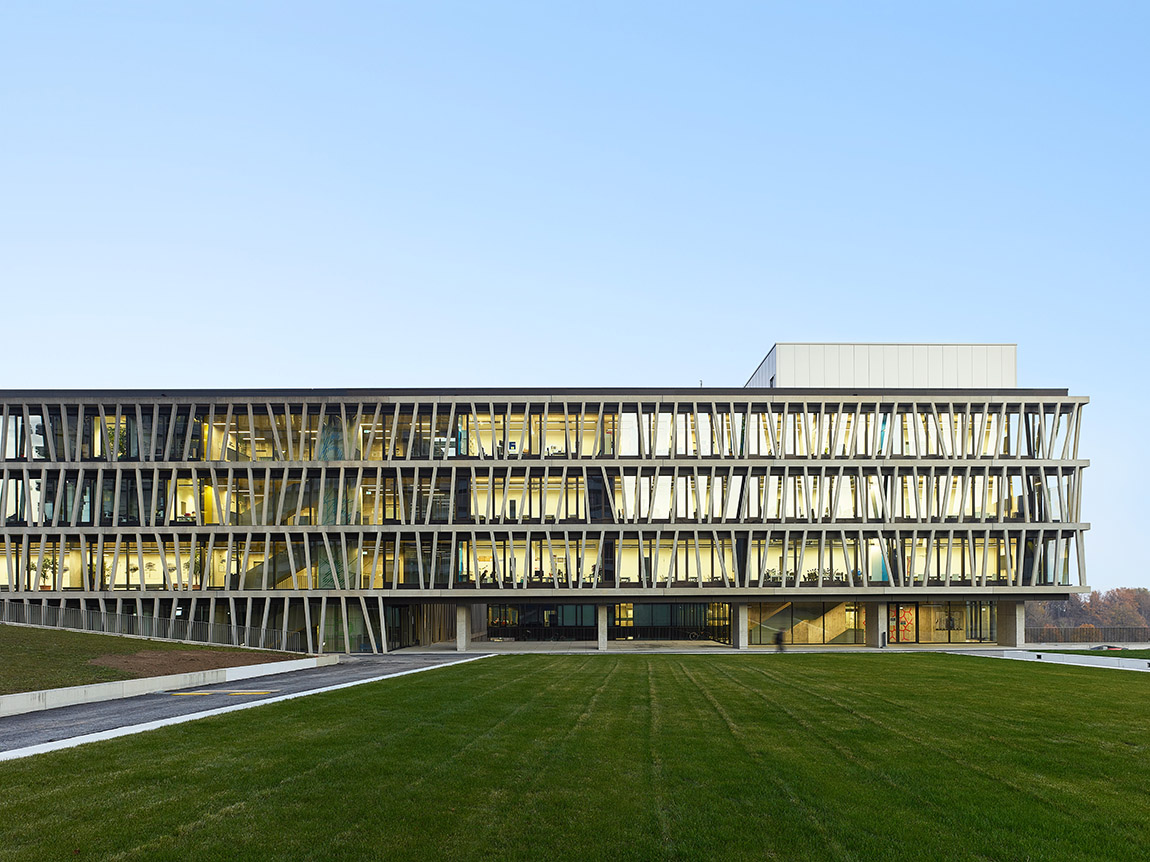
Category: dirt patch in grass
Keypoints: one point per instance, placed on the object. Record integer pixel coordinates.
(162, 662)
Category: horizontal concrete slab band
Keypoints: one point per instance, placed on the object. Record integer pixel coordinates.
(608, 595)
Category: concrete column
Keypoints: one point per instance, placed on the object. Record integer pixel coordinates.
(1011, 623)
(601, 624)
(876, 624)
(462, 628)
(740, 625)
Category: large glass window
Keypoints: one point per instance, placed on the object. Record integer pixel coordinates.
(940, 622)
(538, 622)
(807, 622)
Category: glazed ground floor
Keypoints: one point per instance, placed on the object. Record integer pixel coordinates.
(373, 623)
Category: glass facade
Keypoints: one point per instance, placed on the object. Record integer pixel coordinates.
(541, 622)
(941, 622)
(793, 500)
(690, 621)
(807, 622)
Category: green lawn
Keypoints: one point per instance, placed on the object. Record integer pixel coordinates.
(32, 659)
(804, 757)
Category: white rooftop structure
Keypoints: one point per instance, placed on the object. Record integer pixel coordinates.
(888, 366)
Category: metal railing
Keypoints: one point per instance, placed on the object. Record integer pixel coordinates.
(1087, 634)
(160, 628)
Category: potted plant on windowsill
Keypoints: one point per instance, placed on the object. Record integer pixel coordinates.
(47, 571)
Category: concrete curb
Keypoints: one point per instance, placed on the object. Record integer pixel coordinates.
(1044, 657)
(33, 701)
(1111, 661)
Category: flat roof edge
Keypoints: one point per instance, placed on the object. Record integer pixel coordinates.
(894, 344)
(702, 393)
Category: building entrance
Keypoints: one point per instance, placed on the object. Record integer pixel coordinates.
(941, 622)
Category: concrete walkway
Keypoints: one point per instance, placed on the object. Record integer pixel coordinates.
(642, 647)
(65, 727)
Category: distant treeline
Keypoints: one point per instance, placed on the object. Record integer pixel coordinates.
(1120, 607)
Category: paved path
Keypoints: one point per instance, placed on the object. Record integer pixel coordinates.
(47, 730)
(681, 647)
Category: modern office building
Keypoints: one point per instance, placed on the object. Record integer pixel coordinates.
(848, 494)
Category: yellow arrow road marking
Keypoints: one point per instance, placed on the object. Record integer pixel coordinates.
(228, 691)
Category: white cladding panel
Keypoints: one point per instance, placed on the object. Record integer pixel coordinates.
(764, 374)
(889, 366)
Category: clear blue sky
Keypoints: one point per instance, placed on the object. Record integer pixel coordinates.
(580, 194)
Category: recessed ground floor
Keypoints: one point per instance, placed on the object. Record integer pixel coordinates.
(794, 622)
(372, 623)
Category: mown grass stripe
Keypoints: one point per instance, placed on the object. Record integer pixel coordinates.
(624, 758)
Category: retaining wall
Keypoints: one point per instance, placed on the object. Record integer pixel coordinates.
(32, 701)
